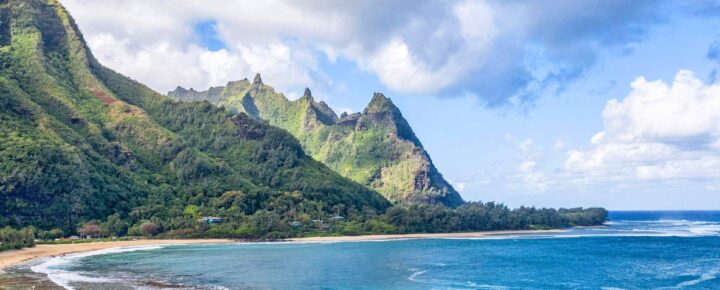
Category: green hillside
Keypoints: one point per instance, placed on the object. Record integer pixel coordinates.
(376, 147)
(80, 142)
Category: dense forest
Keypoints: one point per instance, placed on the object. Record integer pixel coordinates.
(280, 221)
(87, 151)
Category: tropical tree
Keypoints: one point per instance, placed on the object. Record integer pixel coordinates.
(89, 230)
(114, 226)
(149, 229)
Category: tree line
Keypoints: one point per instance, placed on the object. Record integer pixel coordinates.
(286, 220)
(478, 216)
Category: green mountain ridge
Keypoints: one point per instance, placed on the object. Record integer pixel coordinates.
(376, 147)
(80, 142)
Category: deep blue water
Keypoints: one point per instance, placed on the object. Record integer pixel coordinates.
(638, 250)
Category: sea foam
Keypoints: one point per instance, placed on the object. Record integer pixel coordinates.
(56, 267)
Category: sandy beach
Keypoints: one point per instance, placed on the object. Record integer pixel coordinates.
(11, 258)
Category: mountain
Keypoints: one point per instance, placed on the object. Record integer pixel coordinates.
(80, 142)
(376, 147)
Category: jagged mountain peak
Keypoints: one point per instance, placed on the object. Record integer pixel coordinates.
(376, 147)
(257, 80)
(379, 97)
(179, 89)
(307, 96)
(380, 102)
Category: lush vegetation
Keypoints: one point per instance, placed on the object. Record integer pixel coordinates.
(80, 143)
(376, 148)
(285, 222)
(12, 239)
(476, 216)
(86, 151)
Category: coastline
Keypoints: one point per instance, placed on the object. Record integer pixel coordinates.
(461, 235)
(13, 258)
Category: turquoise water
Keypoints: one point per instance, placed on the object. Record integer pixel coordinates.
(638, 250)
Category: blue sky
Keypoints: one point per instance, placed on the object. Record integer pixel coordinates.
(563, 103)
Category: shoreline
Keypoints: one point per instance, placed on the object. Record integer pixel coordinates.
(16, 257)
(461, 235)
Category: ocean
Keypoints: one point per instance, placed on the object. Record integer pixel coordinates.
(637, 250)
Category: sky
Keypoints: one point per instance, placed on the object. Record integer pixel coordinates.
(543, 103)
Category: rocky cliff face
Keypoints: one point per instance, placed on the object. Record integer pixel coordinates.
(376, 147)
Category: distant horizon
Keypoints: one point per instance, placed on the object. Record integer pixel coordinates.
(665, 210)
(605, 207)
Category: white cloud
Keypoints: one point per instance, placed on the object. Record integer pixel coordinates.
(535, 181)
(279, 63)
(527, 166)
(472, 183)
(161, 65)
(525, 146)
(459, 186)
(659, 131)
(529, 175)
(459, 46)
(400, 66)
(155, 43)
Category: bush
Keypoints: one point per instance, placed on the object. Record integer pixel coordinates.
(51, 234)
(12, 239)
(246, 231)
(149, 229)
(277, 235)
(114, 226)
(351, 228)
(134, 231)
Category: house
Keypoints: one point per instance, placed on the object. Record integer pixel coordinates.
(211, 220)
(295, 224)
(337, 218)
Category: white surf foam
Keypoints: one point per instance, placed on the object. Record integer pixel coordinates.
(301, 242)
(55, 267)
(414, 275)
(444, 284)
(704, 277)
(651, 228)
(707, 276)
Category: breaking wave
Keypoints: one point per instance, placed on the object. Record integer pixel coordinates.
(56, 268)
